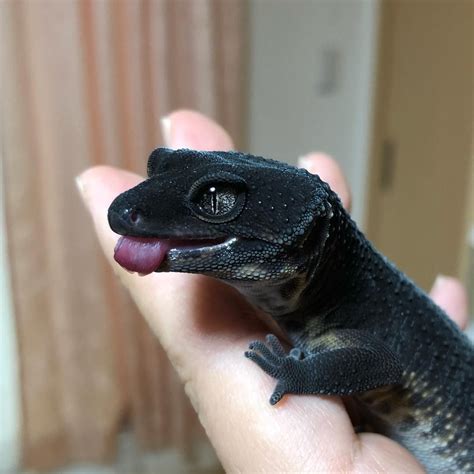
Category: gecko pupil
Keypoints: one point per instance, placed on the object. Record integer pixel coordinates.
(218, 200)
(213, 193)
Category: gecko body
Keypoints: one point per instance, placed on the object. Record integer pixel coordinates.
(357, 325)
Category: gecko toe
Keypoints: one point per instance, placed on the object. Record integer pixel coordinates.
(263, 363)
(259, 346)
(275, 345)
(278, 393)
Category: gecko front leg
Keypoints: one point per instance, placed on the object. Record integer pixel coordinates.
(353, 362)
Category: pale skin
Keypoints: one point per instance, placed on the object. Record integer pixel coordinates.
(205, 327)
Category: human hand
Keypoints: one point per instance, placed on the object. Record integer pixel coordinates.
(205, 327)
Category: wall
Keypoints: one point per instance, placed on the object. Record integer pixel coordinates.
(312, 65)
(467, 263)
(9, 388)
(422, 147)
(9, 385)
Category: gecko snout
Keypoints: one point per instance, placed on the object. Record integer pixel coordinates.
(125, 220)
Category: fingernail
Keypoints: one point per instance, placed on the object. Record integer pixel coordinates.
(440, 281)
(80, 186)
(165, 123)
(304, 161)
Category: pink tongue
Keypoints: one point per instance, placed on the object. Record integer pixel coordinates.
(140, 254)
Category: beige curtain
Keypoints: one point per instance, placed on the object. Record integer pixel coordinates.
(85, 82)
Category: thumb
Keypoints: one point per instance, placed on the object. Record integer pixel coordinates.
(449, 294)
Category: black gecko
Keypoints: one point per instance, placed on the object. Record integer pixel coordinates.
(358, 326)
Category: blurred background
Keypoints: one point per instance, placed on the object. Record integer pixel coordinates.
(385, 86)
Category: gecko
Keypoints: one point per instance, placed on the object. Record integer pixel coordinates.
(356, 325)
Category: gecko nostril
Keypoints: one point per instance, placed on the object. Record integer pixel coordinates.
(134, 216)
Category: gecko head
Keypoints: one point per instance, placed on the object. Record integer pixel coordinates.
(228, 215)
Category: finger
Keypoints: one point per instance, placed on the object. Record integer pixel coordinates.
(188, 129)
(328, 170)
(451, 295)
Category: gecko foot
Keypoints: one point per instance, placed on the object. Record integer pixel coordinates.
(272, 359)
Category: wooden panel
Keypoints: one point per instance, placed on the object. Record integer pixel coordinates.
(423, 135)
(467, 255)
(86, 84)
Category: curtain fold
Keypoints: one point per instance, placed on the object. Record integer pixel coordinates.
(85, 83)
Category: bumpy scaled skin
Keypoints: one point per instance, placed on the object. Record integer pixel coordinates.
(358, 326)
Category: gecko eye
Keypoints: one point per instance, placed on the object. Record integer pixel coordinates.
(219, 198)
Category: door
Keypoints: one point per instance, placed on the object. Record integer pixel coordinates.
(423, 135)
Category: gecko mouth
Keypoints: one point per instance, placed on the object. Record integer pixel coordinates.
(146, 255)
